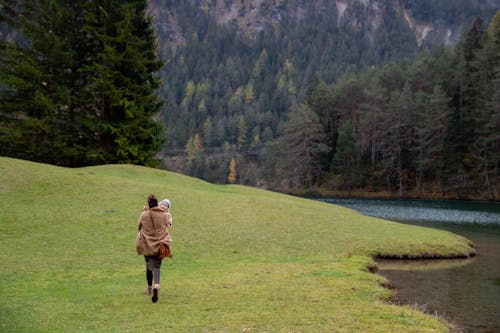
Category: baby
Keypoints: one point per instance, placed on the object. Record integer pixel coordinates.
(165, 204)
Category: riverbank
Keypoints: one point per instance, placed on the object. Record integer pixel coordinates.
(449, 288)
(244, 259)
(409, 194)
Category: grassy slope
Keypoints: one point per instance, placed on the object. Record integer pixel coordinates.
(244, 259)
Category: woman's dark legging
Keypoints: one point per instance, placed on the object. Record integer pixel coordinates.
(153, 265)
(149, 277)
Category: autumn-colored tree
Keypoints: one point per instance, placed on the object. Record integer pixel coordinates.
(242, 131)
(232, 172)
(193, 146)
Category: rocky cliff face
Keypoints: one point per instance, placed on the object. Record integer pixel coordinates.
(251, 17)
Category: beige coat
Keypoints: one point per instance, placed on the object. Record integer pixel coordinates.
(147, 242)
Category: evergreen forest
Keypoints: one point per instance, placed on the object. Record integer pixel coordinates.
(329, 106)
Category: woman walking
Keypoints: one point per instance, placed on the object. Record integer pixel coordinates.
(153, 230)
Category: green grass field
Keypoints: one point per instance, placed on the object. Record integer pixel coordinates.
(245, 260)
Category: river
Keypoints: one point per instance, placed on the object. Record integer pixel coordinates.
(465, 292)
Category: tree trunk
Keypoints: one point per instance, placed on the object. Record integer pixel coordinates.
(400, 171)
(441, 186)
(349, 179)
(389, 184)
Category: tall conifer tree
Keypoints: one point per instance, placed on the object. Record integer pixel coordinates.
(121, 81)
(487, 144)
(346, 157)
(80, 88)
(300, 148)
(461, 129)
(34, 96)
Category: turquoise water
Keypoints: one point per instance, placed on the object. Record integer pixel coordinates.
(428, 211)
(464, 292)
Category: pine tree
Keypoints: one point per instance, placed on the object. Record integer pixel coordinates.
(348, 98)
(395, 137)
(346, 156)
(487, 144)
(436, 111)
(492, 164)
(122, 82)
(80, 89)
(320, 98)
(370, 123)
(35, 98)
(296, 155)
(461, 129)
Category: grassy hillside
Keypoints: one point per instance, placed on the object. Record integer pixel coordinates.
(245, 260)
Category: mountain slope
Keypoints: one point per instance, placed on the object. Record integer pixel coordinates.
(431, 21)
(235, 68)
